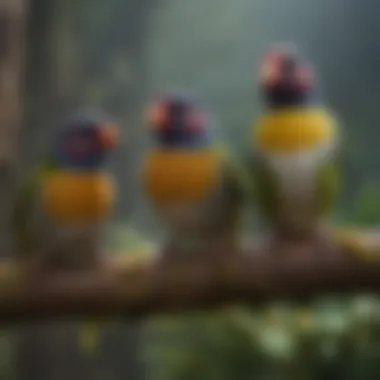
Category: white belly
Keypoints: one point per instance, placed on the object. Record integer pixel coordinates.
(295, 174)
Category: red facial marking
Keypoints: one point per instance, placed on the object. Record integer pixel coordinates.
(271, 70)
(157, 114)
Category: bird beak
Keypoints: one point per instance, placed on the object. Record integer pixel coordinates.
(109, 136)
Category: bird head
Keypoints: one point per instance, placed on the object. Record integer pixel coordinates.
(85, 141)
(179, 122)
(287, 78)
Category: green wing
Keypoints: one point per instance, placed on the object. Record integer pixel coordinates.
(237, 181)
(23, 206)
(266, 193)
(236, 192)
(328, 190)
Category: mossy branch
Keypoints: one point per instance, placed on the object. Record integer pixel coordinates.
(143, 287)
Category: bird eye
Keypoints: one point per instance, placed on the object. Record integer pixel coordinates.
(304, 78)
(79, 146)
(196, 122)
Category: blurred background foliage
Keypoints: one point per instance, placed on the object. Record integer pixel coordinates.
(115, 55)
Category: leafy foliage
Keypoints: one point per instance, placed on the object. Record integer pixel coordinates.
(330, 339)
(366, 210)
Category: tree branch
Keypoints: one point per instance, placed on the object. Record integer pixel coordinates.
(149, 287)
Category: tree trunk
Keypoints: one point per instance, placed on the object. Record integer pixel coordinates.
(11, 66)
(77, 61)
(45, 351)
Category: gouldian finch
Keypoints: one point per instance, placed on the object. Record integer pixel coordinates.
(59, 209)
(69, 194)
(196, 188)
(296, 144)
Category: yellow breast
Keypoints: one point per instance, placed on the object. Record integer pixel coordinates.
(180, 176)
(289, 131)
(77, 197)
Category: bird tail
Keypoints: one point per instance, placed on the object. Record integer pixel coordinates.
(89, 336)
